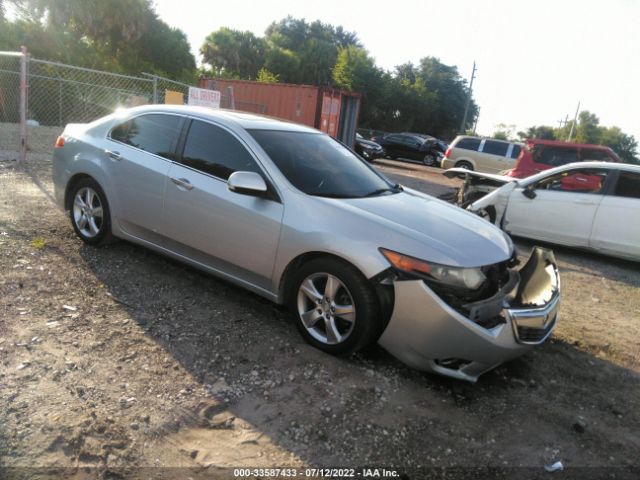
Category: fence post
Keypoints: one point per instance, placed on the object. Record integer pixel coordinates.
(232, 101)
(23, 104)
(155, 90)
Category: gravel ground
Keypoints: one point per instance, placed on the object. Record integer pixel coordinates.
(115, 359)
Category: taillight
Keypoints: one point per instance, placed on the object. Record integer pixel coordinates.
(59, 142)
(447, 153)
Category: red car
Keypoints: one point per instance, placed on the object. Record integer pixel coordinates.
(539, 155)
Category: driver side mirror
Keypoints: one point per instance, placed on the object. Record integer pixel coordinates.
(529, 192)
(247, 183)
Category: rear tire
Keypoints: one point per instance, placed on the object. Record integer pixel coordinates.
(89, 213)
(429, 160)
(335, 308)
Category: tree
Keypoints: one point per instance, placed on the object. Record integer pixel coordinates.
(542, 132)
(315, 45)
(626, 146)
(285, 62)
(234, 53)
(119, 35)
(265, 76)
(504, 132)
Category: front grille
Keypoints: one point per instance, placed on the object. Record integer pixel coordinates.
(535, 335)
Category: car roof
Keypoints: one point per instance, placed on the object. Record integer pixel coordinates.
(245, 120)
(460, 137)
(560, 143)
(628, 167)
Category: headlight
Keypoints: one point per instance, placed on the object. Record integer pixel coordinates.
(470, 278)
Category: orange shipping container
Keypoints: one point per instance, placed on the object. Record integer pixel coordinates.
(329, 110)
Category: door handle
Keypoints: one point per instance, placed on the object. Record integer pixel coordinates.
(584, 202)
(113, 155)
(182, 182)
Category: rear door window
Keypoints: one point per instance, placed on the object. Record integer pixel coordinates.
(213, 150)
(468, 143)
(556, 157)
(628, 185)
(153, 133)
(495, 148)
(411, 141)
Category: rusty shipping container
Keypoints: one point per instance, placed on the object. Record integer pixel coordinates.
(330, 110)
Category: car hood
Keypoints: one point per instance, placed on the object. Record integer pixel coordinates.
(463, 173)
(425, 227)
(368, 143)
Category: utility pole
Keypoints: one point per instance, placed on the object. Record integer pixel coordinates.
(475, 125)
(573, 125)
(466, 108)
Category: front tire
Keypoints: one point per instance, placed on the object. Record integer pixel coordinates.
(335, 307)
(464, 164)
(89, 213)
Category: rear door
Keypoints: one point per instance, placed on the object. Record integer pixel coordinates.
(493, 158)
(229, 232)
(139, 152)
(559, 213)
(616, 228)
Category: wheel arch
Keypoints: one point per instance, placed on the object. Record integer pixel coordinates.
(71, 184)
(468, 160)
(384, 291)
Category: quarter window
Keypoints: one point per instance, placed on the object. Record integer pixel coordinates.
(628, 185)
(597, 155)
(468, 143)
(495, 148)
(213, 150)
(516, 151)
(153, 133)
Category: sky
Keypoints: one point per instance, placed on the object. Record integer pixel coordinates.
(535, 60)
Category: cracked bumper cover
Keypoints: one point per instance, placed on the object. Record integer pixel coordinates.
(424, 330)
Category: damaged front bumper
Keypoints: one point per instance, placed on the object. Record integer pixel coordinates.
(428, 334)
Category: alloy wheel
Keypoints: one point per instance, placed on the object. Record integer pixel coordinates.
(326, 308)
(88, 212)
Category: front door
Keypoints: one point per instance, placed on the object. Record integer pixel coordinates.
(560, 212)
(232, 233)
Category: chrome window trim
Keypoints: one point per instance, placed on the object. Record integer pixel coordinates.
(193, 118)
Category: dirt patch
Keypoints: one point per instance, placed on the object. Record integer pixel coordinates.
(118, 359)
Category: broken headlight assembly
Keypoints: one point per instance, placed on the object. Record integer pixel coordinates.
(463, 278)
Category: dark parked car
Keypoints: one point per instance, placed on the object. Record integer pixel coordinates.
(367, 149)
(413, 146)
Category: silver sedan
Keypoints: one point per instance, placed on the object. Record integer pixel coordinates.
(295, 216)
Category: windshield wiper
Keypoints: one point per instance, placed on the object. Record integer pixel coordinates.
(395, 189)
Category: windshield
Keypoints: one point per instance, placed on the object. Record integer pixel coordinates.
(319, 165)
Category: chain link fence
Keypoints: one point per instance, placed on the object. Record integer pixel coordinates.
(56, 94)
(10, 64)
